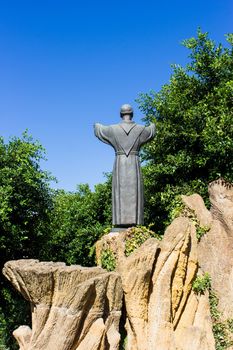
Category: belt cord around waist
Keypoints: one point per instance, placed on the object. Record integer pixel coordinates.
(119, 153)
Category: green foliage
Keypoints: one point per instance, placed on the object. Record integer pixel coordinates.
(2, 332)
(77, 222)
(201, 231)
(15, 312)
(194, 141)
(108, 260)
(36, 222)
(138, 235)
(221, 337)
(178, 207)
(123, 343)
(230, 325)
(220, 329)
(213, 300)
(202, 283)
(25, 203)
(25, 198)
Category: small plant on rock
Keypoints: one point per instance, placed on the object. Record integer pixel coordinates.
(202, 283)
(178, 208)
(220, 335)
(213, 300)
(138, 235)
(108, 260)
(201, 231)
(221, 330)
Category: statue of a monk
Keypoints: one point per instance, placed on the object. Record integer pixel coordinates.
(127, 184)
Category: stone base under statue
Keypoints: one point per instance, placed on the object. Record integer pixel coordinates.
(120, 228)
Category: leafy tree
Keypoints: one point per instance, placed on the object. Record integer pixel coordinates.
(25, 203)
(78, 220)
(39, 223)
(194, 118)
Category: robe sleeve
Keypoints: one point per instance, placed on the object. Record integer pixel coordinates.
(103, 133)
(148, 133)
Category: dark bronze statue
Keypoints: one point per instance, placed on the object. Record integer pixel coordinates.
(127, 185)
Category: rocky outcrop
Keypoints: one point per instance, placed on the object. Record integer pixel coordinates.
(162, 310)
(73, 307)
(215, 249)
(76, 308)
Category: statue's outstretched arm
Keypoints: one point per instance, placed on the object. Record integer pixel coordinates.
(151, 129)
(148, 133)
(102, 132)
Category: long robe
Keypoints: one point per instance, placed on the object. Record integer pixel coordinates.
(127, 184)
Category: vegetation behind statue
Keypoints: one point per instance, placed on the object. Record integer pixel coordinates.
(194, 120)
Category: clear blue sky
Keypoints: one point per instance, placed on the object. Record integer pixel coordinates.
(67, 64)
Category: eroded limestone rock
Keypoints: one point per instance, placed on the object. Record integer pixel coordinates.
(73, 307)
(162, 310)
(215, 249)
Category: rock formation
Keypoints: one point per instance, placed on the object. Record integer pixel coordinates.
(162, 310)
(75, 308)
(215, 249)
(72, 307)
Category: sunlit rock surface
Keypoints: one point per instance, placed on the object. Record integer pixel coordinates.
(76, 308)
(162, 310)
(72, 307)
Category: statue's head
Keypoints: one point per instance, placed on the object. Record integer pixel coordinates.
(126, 109)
